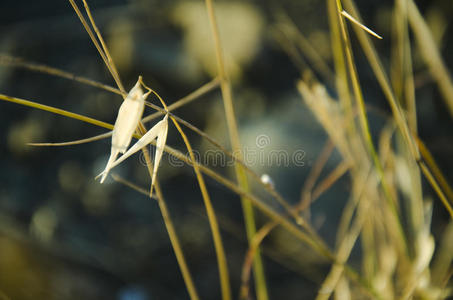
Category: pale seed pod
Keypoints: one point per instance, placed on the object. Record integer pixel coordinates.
(158, 131)
(129, 116)
(160, 144)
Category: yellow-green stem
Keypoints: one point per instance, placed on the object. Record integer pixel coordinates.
(429, 159)
(249, 217)
(57, 111)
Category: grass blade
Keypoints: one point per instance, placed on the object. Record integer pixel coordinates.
(353, 20)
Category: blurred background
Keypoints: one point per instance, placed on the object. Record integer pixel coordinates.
(65, 236)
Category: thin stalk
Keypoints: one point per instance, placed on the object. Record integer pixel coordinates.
(432, 181)
(175, 243)
(342, 81)
(249, 217)
(216, 236)
(110, 63)
(437, 173)
(330, 179)
(8, 60)
(169, 225)
(131, 185)
(187, 99)
(345, 247)
(315, 171)
(363, 27)
(248, 261)
(174, 240)
(96, 44)
(76, 142)
(401, 70)
(397, 52)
